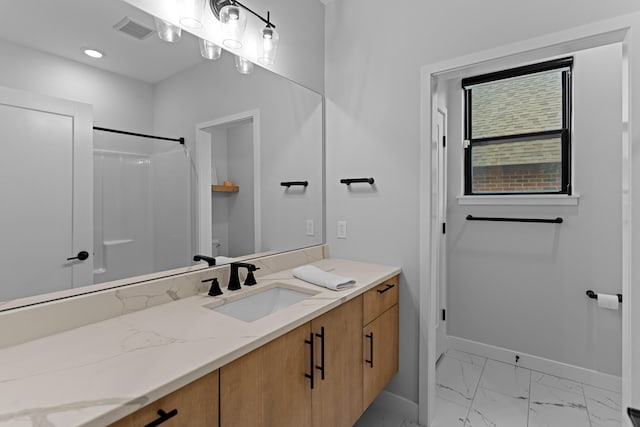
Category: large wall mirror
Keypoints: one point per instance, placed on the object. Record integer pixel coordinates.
(84, 206)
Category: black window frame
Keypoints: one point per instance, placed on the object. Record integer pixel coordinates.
(564, 133)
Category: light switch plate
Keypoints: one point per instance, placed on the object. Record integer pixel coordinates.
(342, 229)
(310, 228)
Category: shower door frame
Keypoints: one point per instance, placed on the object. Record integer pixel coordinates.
(624, 30)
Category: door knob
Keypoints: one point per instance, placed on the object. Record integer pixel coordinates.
(82, 255)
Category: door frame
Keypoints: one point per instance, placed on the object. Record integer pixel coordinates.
(625, 30)
(203, 167)
(441, 248)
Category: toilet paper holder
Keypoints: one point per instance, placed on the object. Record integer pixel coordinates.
(593, 295)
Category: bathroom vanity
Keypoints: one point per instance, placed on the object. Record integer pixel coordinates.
(318, 362)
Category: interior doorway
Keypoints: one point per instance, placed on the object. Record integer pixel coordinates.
(584, 38)
(229, 217)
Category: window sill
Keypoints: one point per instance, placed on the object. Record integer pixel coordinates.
(521, 200)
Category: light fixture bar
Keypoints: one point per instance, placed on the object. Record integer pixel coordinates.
(217, 5)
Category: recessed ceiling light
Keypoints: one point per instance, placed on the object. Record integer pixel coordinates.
(93, 53)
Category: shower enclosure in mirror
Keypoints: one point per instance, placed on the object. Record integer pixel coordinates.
(86, 206)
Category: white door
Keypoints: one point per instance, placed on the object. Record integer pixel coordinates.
(441, 325)
(45, 186)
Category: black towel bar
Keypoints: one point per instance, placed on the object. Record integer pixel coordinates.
(488, 218)
(350, 181)
(593, 295)
(291, 183)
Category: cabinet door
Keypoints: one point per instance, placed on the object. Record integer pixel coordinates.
(380, 353)
(337, 399)
(268, 387)
(194, 405)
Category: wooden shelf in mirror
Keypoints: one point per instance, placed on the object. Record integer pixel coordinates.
(225, 188)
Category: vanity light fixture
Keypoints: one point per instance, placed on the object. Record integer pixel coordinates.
(167, 31)
(244, 66)
(209, 50)
(232, 16)
(267, 44)
(191, 13)
(234, 22)
(93, 53)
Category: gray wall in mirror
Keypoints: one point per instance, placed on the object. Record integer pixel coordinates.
(178, 91)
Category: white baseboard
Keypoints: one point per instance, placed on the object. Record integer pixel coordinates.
(535, 363)
(399, 405)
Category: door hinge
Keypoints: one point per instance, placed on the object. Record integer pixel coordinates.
(444, 315)
(444, 228)
(444, 140)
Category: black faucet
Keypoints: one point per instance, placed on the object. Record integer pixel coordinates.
(234, 280)
(210, 261)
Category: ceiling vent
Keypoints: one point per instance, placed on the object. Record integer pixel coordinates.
(134, 29)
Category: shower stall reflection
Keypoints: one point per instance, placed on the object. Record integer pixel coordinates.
(141, 206)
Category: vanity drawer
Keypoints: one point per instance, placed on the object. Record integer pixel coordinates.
(379, 299)
(194, 405)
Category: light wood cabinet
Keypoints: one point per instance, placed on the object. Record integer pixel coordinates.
(194, 405)
(380, 339)
(272, 386)
(337, 395)
(268, 387)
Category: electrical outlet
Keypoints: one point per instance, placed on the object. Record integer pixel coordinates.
(342, 229)
(310, 230)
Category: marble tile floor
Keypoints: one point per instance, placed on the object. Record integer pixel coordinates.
(474, 391)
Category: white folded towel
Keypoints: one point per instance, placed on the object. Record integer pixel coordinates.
(314, 275)
(223, 260)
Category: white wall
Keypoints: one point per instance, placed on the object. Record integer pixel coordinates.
(118, 102)
(241, 213)
(372, 85)
(290, 136)
(220, 201)
(522, 286)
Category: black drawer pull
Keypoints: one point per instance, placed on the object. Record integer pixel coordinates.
(321, 367)
(162, 417)
(389, 286)
(312, 363)
(370, 361)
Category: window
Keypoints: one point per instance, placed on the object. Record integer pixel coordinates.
(517, 130)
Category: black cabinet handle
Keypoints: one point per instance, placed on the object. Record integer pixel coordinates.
(389, 286)
(162, 417)
(82, 255)
(312, 363)
(321, 368)
(370, 361)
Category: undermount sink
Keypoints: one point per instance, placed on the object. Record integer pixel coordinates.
(260, 304)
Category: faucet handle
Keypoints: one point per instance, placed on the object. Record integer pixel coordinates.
(214, 290)
(250, 280)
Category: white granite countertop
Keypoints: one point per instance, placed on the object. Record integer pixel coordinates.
(97, 374)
